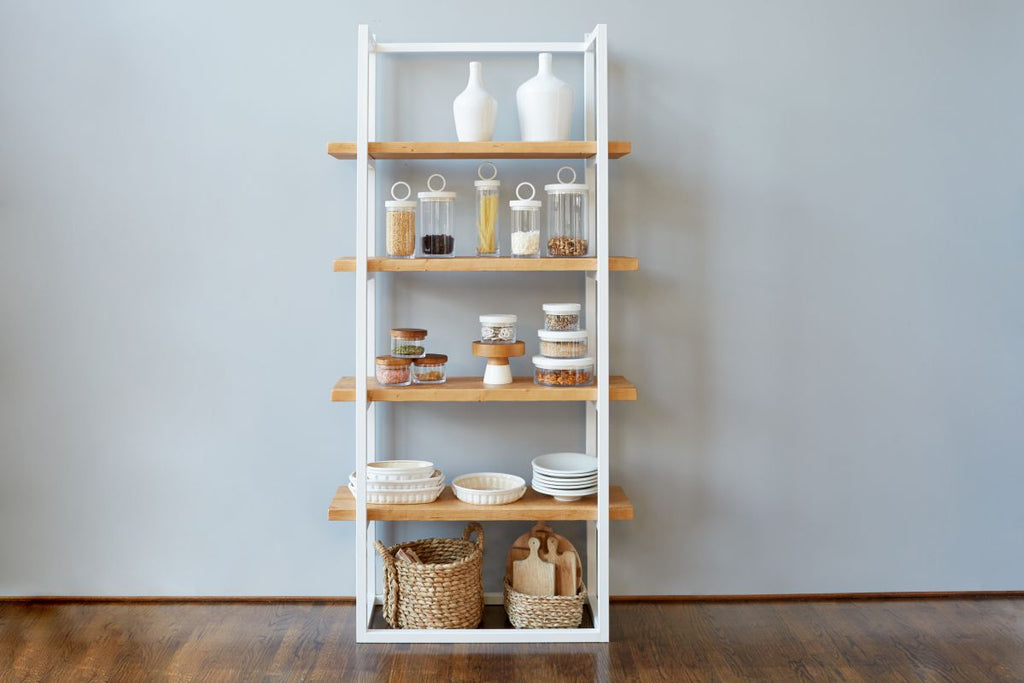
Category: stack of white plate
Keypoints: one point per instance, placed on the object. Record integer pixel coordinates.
(566, 476)
(400, 482)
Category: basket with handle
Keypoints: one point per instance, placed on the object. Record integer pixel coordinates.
(444, 590)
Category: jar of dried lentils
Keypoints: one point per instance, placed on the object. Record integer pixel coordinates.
(393, 372)
(408, 342)
(430, 369)
(400, 235)
(563, 372)
(558, 317)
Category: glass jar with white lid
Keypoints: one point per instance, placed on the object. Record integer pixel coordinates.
(437, 219)
(487, 190)
(563, 344)
(498, 328)
(568, 232)
(400, 232)
(525, 230)
(563, 372)
(559, 317)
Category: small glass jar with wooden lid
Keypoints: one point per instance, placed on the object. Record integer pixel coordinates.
(392, 372)
(408, 342)
(430, 369)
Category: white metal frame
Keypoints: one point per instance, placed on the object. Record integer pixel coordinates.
(594, 50)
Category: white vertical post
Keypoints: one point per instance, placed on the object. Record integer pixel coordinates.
(371, 305)
(603, 350)
(363, 610)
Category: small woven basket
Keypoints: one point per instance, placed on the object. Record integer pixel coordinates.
(544, 611)
(445, 591)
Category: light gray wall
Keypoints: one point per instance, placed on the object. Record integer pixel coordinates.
(827, 200)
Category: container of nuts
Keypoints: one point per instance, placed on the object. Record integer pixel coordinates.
(498, 328)
(567, 216)
(392, 372)
(563, 372)
(430, 369)
(563, 344)
(559, 317)
(408, 342)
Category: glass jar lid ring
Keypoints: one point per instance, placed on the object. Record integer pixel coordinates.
(443, 182)
(480, 170)
(566, 168)
(408, 191)
(533, 191)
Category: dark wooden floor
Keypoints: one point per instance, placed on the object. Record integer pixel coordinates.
(877, 640)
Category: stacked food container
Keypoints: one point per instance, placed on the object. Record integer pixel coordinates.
(563, 359)
(409, 362)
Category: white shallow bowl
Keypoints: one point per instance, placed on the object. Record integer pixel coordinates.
(574, 479)
(433, 481)
(398, 470)
(488, 488)
(561, 464)
(563, 495)
(400, 497)
(564, 487)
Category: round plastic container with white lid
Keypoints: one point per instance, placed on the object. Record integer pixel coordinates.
(559, 317)
(563, 372)
(563, 344)
(498, 328)
(567, 216)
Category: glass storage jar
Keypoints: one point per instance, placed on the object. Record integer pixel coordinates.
(567, 217)
(567, 344)
(487, 190)
(525, 230)
(498, 328)
(563, 372)
(393, 372)
(400, 235)
(430, 369)
(559, 317)
(437, 219)
(408, 342)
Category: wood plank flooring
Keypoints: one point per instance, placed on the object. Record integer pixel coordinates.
(856, 640)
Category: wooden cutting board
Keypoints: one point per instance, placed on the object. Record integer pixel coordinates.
(533, 576)
(565, 568)
(521, 550)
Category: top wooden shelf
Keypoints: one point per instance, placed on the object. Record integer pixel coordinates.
(571, 149)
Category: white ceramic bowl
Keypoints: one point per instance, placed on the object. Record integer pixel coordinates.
(400, 497)
(398, 470)
(561, 464)
(433, 481)
(489, 488)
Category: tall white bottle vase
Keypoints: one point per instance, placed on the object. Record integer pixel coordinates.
(545, 105)
(475, 110)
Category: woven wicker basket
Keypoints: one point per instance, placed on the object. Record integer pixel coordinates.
(544, 611)
(445, 591)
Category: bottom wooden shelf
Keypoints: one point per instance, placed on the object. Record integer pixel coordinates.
(532, 506)
(494, 618)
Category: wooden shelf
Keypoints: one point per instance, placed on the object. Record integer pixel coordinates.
(472, 389)
(572, 149)
(347, 264)
(531, 507)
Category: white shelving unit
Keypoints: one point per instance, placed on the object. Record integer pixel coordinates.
(363, 391)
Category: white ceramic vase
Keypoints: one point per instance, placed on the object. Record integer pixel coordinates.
(475, 110)
(545, 105)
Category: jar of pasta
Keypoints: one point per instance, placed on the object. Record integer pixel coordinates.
(487, 190)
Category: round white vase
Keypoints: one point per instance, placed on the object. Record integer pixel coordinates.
(545, 105)
(475, 110)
